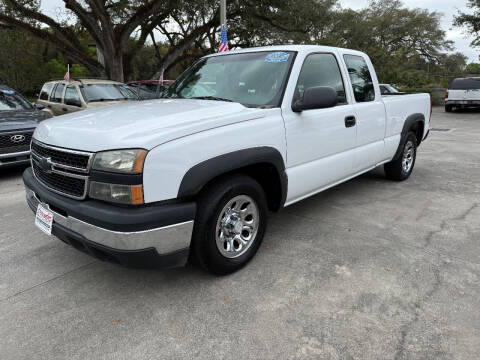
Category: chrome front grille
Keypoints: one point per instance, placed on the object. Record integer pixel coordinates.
(63, 171)
(14, 142)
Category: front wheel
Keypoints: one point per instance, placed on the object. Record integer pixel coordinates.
(401, 168)
(230, 224)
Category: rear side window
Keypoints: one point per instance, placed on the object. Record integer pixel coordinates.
(321, 70)
(45, 92)
(57, 93)
(360, 77)
(465, 84)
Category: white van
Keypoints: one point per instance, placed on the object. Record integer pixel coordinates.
(463, 92)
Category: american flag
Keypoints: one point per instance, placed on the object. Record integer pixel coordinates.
(223, 40)
(67, 74)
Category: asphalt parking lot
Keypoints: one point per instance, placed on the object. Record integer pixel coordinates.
(371, 269)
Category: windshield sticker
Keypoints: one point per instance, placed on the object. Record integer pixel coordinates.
(276, 57)
(8, 92)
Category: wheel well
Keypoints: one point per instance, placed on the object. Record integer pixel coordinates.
(418, 128)
(266, 174)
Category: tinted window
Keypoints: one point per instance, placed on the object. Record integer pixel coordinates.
(107, 92)
(360, 77)
(45, 92)
(11, 100)
(465, 84)
(57, 93)
(321, 70)
(72, 97)
(255, 79)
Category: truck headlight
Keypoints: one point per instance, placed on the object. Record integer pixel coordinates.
(116, 193)
(128, 161)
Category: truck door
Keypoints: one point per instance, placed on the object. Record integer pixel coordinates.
(370, 113)
(320, 142)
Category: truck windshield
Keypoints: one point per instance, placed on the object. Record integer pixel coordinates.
(10, 100)
(253, 79)
(465, 84)
(107, 92)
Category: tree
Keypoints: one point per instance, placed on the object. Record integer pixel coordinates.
(187, 25)
(473, 68)
(471, 21)
(109, 23)
(396, 38)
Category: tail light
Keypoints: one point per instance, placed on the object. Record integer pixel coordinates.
(446, 94)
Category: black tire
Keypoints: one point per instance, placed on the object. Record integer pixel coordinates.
(395, 169)
(210, 204)
(448, 108)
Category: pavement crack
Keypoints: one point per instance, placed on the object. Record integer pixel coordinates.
(47, 281)
(431, 234)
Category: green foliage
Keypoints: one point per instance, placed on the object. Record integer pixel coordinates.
(30, 62)
(473, 68)
(471, 21)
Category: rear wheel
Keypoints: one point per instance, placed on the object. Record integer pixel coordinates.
(401, 168)
(230, 224)
(448, 108)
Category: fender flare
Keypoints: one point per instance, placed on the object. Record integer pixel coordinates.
(200, 174)
(407, 125)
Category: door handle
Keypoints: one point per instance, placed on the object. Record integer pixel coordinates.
(350, 121)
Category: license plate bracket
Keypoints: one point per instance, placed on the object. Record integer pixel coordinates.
(44, 219)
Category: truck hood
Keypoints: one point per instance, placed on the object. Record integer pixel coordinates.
(144, 124)
(13, 120)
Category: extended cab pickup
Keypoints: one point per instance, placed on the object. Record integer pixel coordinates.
(241, 133)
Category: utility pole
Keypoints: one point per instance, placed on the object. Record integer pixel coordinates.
(223, 12)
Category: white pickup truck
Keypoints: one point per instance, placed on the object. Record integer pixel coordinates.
(193, 176)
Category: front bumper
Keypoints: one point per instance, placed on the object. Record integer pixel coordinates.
(149, 236)
(14, 159)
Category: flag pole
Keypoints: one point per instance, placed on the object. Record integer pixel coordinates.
(223, 13)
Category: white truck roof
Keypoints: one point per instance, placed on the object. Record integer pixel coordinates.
(298, 48)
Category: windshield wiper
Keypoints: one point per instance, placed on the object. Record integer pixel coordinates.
(211, 98)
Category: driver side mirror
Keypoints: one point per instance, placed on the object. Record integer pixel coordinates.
(317, 97)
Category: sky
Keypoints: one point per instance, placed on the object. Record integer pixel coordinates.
(447, 7)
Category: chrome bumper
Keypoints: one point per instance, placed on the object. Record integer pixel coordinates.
(164, 240)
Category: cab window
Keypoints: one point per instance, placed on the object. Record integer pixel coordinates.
(57, 93)
(45, 92)
(72, 97)
(360, 77)
(321, 70)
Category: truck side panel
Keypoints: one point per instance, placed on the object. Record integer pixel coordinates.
(166, 165)
(398, 109)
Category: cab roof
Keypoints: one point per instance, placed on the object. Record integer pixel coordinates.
(297, 48)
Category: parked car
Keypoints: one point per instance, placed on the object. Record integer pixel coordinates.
(150, 89)
(387, 89)
(18, 119)
(65, 96)
(196, 173)
(462, 93)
